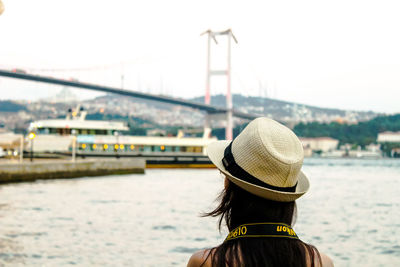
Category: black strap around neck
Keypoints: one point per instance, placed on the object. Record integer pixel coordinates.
(233, 168)
(279, 230)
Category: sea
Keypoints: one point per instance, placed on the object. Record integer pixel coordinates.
(351, 213)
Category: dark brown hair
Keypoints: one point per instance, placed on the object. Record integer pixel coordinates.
(237, 207)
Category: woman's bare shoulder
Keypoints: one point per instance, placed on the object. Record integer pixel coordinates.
(322, 260)
(199, 258)
(326, 261)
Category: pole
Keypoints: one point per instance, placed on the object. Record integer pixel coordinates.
(116, 146)
(229, 122)
(31, 150)
(122, 75)
(21, 150)
(73, 148)
(74, 139)
(207, 95)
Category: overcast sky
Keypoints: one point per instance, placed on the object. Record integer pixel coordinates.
(339, 54)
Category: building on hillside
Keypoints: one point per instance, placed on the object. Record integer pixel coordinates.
(371, 151)
(390, 143)
(318, 145)
(373, 147)
(389, 137)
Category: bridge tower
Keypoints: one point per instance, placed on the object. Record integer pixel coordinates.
(227, 72)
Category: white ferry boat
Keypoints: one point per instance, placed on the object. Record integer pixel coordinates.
(91, 138)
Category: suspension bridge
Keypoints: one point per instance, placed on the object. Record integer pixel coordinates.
(206, 107)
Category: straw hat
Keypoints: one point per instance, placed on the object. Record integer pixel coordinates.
(264, 159)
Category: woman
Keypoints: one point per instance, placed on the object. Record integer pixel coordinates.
(262, 181)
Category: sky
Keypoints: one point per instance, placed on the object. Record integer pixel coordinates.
(336, 54)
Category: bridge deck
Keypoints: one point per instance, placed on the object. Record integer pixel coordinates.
(165, 99)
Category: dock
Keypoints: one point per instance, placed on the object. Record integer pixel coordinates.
(12, 172)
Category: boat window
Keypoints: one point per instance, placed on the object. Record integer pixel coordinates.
(42, 130)
(147, 148)
(62, 131)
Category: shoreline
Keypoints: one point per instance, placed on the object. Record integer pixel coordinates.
(15, 172)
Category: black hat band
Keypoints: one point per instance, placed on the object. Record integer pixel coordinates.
(233, 168)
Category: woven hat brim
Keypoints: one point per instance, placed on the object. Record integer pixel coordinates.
(215, 152)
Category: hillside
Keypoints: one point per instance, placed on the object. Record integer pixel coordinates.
(11, 106)
(142, 113)
(289, 111)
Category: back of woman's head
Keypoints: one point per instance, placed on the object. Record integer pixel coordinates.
(237, 207)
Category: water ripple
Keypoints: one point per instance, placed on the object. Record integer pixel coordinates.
(164, 227)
